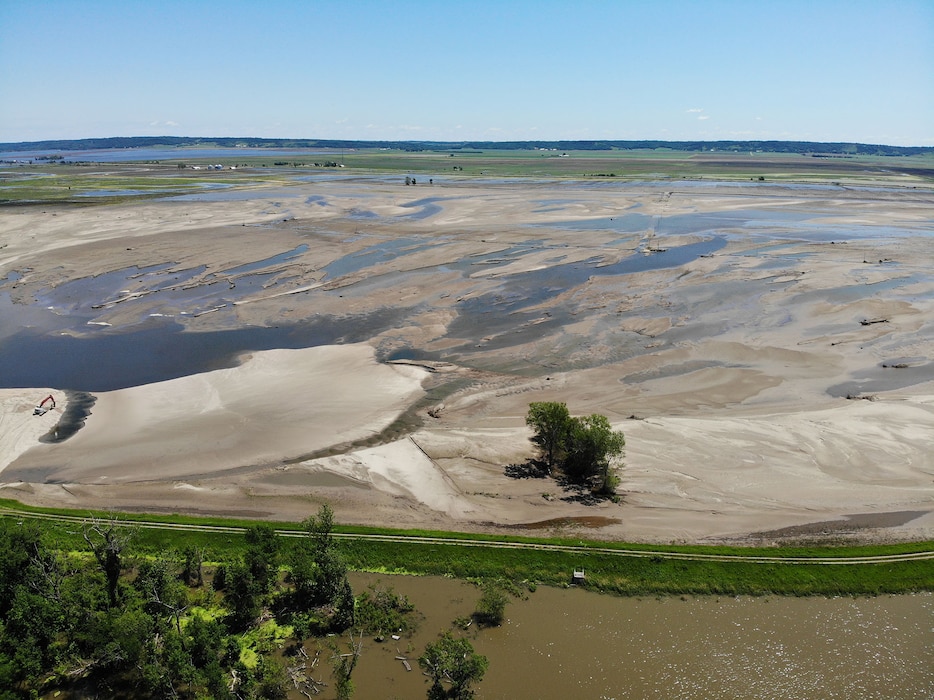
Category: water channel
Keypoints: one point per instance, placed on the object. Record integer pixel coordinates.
(577, 644)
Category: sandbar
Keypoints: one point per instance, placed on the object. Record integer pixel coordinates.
(782, 379)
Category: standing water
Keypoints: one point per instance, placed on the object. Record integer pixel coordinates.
(577, 644)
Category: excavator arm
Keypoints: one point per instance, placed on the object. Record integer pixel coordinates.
(41, 409)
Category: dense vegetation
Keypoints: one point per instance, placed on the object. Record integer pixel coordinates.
(148, 612)
(127, 624)
(801, 147)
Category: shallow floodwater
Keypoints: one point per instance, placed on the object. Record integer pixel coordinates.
(577, 644)
(161, 350)
(64, 327)
(503, 303)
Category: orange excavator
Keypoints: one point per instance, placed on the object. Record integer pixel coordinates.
(42, 409)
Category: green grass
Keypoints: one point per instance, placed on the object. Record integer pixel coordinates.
(624, 575)
(660, 164)
(70, 184)
(642, 575)
(77, 185)
(835, 550)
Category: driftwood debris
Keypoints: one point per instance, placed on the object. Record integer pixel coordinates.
(304, 683)
(870, 321)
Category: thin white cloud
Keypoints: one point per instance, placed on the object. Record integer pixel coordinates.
(703, 117)
(694, 110)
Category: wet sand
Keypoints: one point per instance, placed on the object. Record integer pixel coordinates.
(727, 370)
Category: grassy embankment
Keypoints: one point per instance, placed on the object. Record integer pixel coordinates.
(655, 572)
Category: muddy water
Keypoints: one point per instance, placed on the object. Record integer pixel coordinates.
(577, 644)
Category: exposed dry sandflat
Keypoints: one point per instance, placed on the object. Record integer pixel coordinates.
(276, 403)
(727, 372)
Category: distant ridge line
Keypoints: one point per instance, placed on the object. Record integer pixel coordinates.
(799, 147)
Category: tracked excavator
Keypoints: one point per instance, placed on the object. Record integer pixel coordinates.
(42, 408)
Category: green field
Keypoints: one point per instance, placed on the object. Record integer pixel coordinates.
(95, 184)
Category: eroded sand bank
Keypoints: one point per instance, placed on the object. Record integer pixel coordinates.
(728, 371)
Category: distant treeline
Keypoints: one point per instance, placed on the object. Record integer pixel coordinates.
(800, 147)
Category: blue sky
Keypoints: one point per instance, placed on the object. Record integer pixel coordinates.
(821, 70)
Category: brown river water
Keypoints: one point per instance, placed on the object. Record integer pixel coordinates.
(577, 644)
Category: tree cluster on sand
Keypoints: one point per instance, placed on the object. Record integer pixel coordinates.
(582, 449)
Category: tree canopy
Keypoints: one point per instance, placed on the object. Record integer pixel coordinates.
(583, 448)
(550, 422)
(452, 667)
(798, 147)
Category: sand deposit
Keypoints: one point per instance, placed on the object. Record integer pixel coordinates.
(720, 328)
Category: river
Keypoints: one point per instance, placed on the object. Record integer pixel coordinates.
(578, 644)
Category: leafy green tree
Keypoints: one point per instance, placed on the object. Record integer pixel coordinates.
(452, 667)
(318, 572)
(584, 448)
(207, 640)
(491, 608)
(216, 682)
(84, 602)
(30, 631)
(192, 573)
(266, 681)
(549, 421)
(344, 607)
(320, 528)
(242, 596)
(17, 544)
(176, 661)
(33, 615)
(108, 541)
(331, 578)
(123, 637)
(382, 610)
(8, 675)
(161, 591)
(592, 446)
(219, 582)
(262, 555)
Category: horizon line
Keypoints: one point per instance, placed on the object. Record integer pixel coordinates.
(609, 141)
